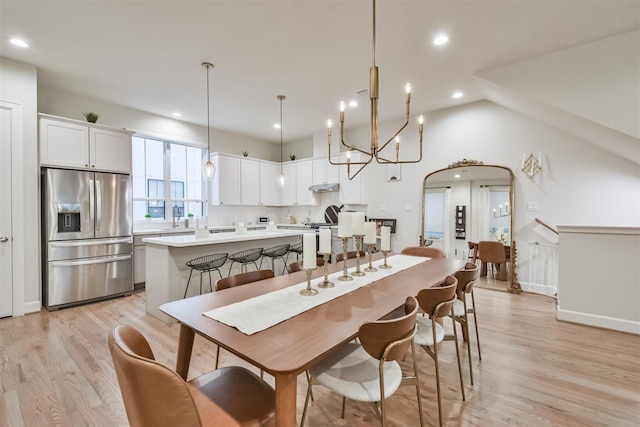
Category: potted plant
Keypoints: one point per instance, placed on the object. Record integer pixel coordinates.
(292, 156)
(91, 117)
(245, 153)
(148, 217)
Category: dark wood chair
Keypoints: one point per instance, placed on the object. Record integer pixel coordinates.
(155, 395)
(491, 252)
(424, 251)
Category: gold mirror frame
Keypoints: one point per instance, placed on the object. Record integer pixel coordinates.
(514, 285)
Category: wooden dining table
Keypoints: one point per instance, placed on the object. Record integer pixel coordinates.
(295, 345)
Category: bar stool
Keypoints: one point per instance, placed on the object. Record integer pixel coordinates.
(207, 264)
(297, 249)
(274, 253)
(244, 258)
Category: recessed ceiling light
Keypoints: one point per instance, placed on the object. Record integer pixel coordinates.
(276, 125)
(353, 103)
(456, 175)
(441, 39)
(457, 95)
(176, 114)
(18, 42)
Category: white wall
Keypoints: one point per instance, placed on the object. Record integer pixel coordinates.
(18, 84)
(65, 104)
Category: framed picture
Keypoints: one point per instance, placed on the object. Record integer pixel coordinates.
(386, 222)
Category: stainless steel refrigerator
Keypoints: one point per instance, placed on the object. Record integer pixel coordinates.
(87, 236)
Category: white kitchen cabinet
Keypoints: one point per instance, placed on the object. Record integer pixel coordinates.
(298, 178)
(249, 182)
(269, 189)
(324, 172)
(288, 193)
(224, 188)
(352, 191)
(139, 250)
(304, 179)
(73, 144)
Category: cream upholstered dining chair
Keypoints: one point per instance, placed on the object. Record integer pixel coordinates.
(155, 395)
(369, 371)
(238, 280)
(467, 278)
(437, 302)
(490, 252)
(424, 252)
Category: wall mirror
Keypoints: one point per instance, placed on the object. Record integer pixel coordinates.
(466, 203)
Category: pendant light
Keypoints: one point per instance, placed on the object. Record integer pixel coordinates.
(281, 178)
(208, 169)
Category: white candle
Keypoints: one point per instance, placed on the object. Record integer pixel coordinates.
(357, 223)
(309, 251)
(370, 233)
(344, 224)
(385, 238)
(325, 241)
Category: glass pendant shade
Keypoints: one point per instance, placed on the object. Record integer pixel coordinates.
(208, 170)
(281, 179)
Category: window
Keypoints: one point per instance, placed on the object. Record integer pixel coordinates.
(434, 214)
(166, 174)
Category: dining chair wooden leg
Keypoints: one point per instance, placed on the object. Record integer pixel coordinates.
(435, 359)
(217, 356)
(455, 339)
(465, 331)
(475, 321)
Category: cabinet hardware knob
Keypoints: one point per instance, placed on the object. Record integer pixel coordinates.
(4, 239)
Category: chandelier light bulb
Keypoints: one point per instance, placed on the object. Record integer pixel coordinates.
(407, 88)
(329, 124)
(420, 119)
(342, 106)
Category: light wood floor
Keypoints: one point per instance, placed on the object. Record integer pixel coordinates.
(55, 369)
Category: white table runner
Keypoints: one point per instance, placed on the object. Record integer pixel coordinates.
(258, 313)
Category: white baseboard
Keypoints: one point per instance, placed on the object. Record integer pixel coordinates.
(621, 325)
(32, 307)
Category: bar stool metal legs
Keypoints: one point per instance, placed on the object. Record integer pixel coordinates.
(205, 264)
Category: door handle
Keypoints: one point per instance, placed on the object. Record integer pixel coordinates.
(4, 239)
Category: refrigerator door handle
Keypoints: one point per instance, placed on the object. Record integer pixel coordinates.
(87, 261)
(78, 243)
(98, 214)
(92, 210)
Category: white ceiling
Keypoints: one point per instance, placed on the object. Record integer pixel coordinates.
(146, 54)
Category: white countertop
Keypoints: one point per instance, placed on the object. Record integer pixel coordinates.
(215, 238)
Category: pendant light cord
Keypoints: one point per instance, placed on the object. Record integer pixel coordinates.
(208, 115)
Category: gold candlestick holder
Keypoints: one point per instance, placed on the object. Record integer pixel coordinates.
(326, 283)
(385, 265)
(371, 268)
(358, 238)
(345, 276)
(309, 291)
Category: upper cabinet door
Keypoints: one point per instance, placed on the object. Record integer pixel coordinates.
(288, 192)
(109, 150)
(225, 186)
(64, 144)
(250, 182)
(269, 189)
(304, 179)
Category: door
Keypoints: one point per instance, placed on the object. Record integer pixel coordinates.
(6, 252)
(68, 204)
(114, 207)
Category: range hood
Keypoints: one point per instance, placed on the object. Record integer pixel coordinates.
(323, 188)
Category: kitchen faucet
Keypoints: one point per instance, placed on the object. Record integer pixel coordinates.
(176, 215)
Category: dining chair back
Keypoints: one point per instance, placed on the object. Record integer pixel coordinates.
(467, 278)
(243, 278)
(369, 371)
(437, 302)
(297, 265)
(424, 252)
(238, 280)
(493, 253)
(350, 254)
(155, 395)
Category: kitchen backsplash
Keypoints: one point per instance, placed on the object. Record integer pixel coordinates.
(231, 215)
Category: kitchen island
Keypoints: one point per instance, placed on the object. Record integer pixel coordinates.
(167, 274)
